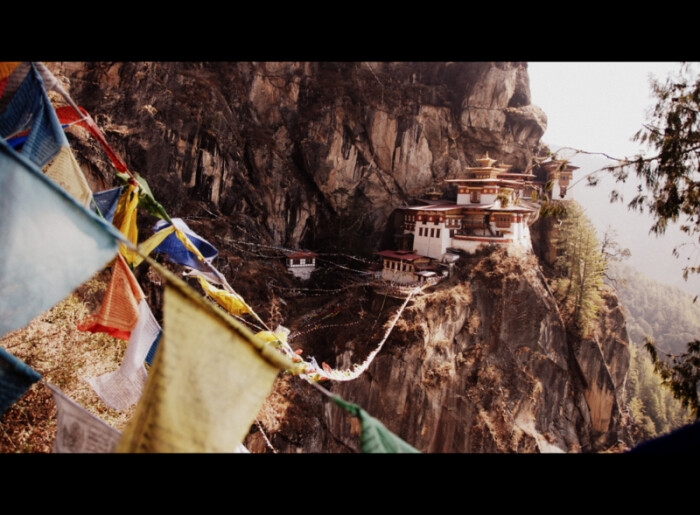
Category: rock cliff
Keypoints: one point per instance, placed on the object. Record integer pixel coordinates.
(482, 364)
(292, 151)
(319, 155)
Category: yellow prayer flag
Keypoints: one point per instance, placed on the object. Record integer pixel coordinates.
(188, 244)
(208, 382)
(230, 302)
(270, 337)
(65, 171)
(125, 221)
(146, 247)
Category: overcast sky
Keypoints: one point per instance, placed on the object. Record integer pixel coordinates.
(595, 106)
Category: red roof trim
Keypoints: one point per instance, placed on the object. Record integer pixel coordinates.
(300, 254)
(392, 254)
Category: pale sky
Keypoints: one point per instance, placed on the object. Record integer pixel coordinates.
(598, 107)
(595, 106)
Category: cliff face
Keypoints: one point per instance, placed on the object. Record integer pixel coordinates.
(292, 151)
(318, 155)
(482, 364)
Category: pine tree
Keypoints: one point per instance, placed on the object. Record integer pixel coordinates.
(582, 266)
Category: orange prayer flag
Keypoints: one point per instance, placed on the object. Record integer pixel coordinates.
(6, 68)
(119, 312)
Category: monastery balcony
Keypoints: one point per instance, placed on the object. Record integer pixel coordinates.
(484, 238)
(474, 230)
(474, 225)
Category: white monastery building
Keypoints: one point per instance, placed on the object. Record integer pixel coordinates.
(493, 206)
(490, 208)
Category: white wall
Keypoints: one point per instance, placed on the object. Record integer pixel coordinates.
(433, 247)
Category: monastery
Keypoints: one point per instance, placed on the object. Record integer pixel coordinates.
(493, 206)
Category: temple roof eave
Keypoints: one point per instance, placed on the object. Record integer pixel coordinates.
(392, 254)
(493, 206)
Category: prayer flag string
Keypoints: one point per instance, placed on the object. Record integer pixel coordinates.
(125, 219)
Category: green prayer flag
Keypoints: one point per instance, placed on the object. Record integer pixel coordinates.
(375, 437)
(146, 198)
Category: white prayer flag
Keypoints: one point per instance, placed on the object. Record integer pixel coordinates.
(80, 431)
(122, 388)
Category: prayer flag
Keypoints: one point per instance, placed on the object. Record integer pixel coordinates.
(153, 349)
(13, 82)
(122, 388)
(3, 84)
(6, 68)
(79, 431)
(50, 244)
(30, 108)
(276, 339)
(119, 312)
(15, 378)
(49, 79)
(375, 437)
(208, 382)
(14, 74)
(73, 114)
(177, 251)
(146, 247)
(106, 202)
(65, 171)
(148, 201)
(125, 220)
(229, 301)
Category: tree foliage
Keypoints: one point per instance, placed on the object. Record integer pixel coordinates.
(681, 374)
(670, 171)
(659, 311)
(671, 175)
(653, 408)
(581, 265)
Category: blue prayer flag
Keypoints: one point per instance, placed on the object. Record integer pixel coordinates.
(107, 202)
(50, 243)
(152, 351)
(15, 378)
(176, 251)
(30, 108)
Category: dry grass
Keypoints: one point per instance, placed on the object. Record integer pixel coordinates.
(65, 357)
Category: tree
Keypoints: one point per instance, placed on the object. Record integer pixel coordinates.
(581, 265)
(612, 252)
(672, 177)
(681, 375)
(670, 173)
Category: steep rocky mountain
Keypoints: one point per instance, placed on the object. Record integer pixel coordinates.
(285, 148)
(481, 364)
(319, 155)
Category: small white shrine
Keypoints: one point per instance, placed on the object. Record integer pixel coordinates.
(301, 263)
